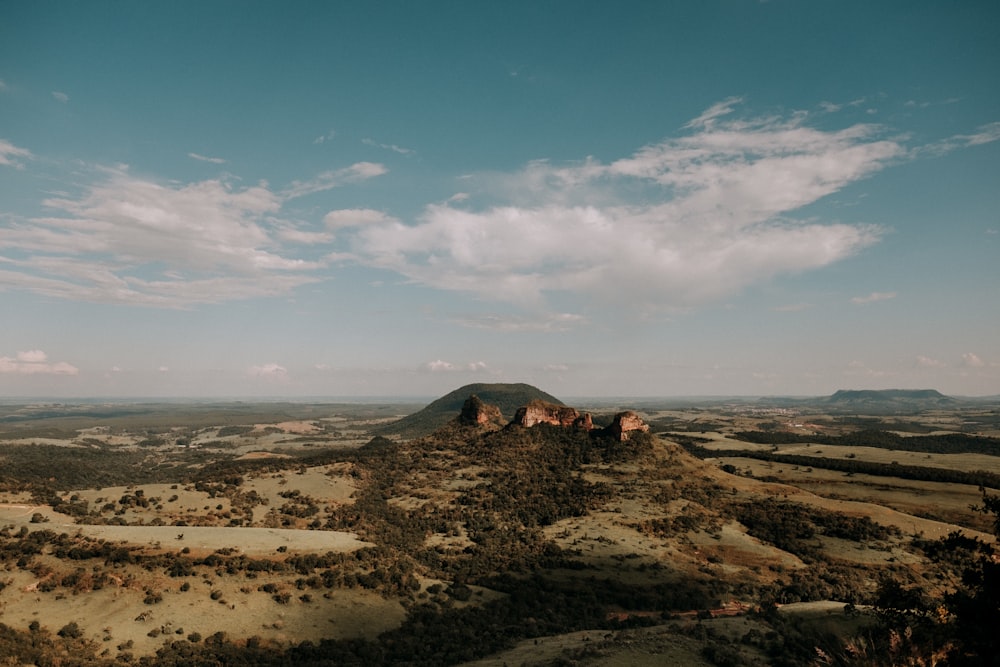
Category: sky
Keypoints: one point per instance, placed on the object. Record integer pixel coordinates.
(365, 199)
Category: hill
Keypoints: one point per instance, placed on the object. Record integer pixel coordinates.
(506, 396)
(889, 400)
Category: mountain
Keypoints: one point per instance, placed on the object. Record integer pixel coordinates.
(889, 400)
(506, 396)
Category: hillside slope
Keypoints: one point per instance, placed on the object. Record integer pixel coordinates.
(506, 396)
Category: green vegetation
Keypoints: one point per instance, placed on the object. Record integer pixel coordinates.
(948, 443)
(793, 527)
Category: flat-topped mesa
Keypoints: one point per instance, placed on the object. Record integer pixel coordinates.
(625, 424)
(476, 413)
(540, 412)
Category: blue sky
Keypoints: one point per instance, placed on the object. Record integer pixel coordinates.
(398, 198)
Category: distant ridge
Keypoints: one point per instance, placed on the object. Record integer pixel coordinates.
(889, 400)
(506, 396)
(847, 395)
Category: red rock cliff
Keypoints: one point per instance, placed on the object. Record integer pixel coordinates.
(540, 412)
(625, 423)
(476, 413)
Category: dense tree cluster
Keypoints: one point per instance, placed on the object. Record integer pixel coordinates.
(794, 527)
(850, 465)
(943, 443)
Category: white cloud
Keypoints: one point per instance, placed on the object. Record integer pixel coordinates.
(163, 369)
(35, 362)
(717, 110)
(389, 147)
(441, 366)
(9, 154)
(32, 357)
(3, 86)
(873, 298)
(129, 240)
(270, 371)
(972, 360)
(328, 180)
(356, 217)
(62, 98)
(713, 218)
(203, 158)
(985, 134)
(928, 362)
(555, 368)
(323, 138)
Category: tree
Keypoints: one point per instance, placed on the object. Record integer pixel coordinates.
(976, 605)
(70, 631)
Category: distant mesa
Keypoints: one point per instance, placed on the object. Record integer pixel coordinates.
(853, 395)
(888, 401)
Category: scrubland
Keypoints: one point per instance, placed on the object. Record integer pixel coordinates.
(290, 534)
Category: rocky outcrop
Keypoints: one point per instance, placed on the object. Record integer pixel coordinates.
(540, 412)
(625, 424)
(476, 413)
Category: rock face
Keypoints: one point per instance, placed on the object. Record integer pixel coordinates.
(540, 412)
(626, 423)
(476, 413)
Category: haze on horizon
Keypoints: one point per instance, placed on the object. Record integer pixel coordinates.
(395, 199)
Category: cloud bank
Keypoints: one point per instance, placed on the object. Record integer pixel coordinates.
(35, 362)
(135, 241)
(694, 218)
(676, 224)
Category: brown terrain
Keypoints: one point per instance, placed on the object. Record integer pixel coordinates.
(305, 537)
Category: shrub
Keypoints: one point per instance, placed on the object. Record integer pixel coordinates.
(70, 631)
